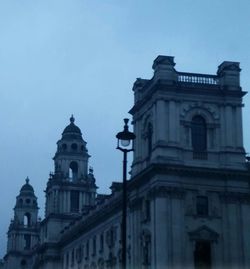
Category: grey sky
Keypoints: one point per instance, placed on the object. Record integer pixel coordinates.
(82, 57)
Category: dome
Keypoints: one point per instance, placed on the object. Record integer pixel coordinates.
(72, 131)
(27, 187)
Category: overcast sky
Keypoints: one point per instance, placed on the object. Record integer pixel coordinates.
(60, 57)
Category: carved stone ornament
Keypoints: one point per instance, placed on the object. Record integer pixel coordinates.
(203, 233)
(206, 110)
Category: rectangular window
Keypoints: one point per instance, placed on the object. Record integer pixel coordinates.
(74, 201)
(202, 205)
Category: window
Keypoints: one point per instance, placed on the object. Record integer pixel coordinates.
(74, 146)
(199, 137)
(74, 201)
(64, 147)
(27, 220)
(202, 205)
(73, 171)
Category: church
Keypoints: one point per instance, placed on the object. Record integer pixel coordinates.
(188, 196)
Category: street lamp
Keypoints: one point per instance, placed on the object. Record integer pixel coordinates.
(124, 144)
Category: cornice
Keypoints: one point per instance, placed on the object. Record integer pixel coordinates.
(184, 171)
(95, 218)
(235, 197)
(167, 191)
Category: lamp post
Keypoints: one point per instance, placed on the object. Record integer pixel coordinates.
(124, 144)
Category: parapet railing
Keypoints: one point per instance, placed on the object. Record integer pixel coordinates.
(197, 78)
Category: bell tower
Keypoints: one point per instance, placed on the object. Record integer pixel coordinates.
(71, 188)
(23, 230)
(71, 158)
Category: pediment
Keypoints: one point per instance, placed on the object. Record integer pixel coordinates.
(203, 233)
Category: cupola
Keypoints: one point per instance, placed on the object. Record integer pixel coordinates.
(71, 158)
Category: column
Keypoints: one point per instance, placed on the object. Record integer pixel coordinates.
(161, 121)
(239, 129)
(159, 237)
(172, 122)
(229, 126)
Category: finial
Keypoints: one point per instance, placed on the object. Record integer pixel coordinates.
(91, 170)
(72, 119)
(126, 124)
(27, 180)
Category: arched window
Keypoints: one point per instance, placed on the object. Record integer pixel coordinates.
(199, 136)
(64, 147)
(27, 220)
(74, 146)
(73, 171)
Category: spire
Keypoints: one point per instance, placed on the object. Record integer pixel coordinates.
(27, 180)
(72, 119)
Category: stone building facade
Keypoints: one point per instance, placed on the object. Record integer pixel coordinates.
(188, 195)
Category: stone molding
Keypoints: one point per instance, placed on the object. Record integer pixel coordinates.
(135, 203)
(235, 197)
(167, 191)
(203, 233)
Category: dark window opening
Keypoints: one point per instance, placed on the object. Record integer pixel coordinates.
(73, 171)
(27, 241)
(202, 255)
(199, 137)
(74, 146)
(202, 205)
(64, 147)
(27, 220)
(74, 201)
